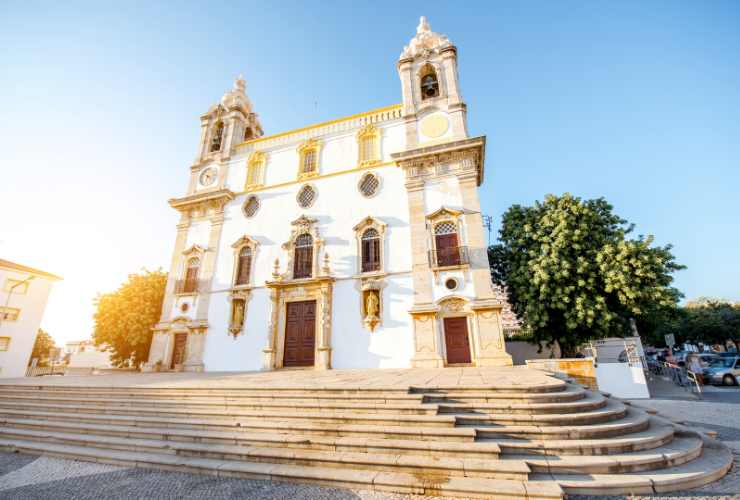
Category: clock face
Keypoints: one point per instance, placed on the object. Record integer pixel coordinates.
(208, 176)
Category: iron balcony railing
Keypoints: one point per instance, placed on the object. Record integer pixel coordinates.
(451, 256)
(188, 286)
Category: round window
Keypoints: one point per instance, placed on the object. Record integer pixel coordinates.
(451, 283)
(251, 206)
(369, 185)
(306, 196)
(184, 307)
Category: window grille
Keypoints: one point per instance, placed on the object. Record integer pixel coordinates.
(303, 261)
(306, 196)
(251, 206)
(445, 228)
(369, 185)
(309, 162)
(368, 149)
(370, 251)
(244, 266)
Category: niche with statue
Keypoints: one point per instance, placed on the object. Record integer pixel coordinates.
(371, 306)
(238, 312)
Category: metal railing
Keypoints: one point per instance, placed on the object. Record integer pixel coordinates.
(681, 376)
(452, 256)
(188, 286)
(38, 371)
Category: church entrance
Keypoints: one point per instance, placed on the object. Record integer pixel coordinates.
(456, 340)
(178, 349)
(300, 333)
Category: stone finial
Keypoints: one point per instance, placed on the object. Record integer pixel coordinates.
(423, 25)
(276, 269)
(240, 84)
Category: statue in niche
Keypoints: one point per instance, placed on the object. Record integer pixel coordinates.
(372, 309)
(237, 316)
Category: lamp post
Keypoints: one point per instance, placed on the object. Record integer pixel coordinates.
(10, 292)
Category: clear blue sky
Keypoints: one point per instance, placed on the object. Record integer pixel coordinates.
(635, 101)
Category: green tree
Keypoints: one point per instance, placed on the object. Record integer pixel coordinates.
(124, 318)
(572, 273)
(41, 347)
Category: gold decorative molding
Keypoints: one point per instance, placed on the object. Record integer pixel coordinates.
(255, 170)
(368, 146)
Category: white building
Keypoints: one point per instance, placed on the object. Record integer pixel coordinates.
(354, 243)
(22, 302)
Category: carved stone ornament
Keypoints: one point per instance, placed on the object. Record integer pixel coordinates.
(452, 305)
(425, 43)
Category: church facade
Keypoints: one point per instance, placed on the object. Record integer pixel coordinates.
(354, 243)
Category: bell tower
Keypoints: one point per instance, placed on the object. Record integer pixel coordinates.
(432, 105)
(227, 124)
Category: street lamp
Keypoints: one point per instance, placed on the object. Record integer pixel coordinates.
(10, 292)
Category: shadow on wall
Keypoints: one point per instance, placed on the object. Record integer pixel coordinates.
(521, 351)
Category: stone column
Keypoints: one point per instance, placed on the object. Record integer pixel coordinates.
(169, 293)
(268, 353)
(323, 360)
(209, 264)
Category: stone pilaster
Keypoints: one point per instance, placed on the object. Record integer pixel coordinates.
(491, 349)
(478, 252)
(268, 353)
(180, 240)
(194, 351)
(323, 360)
(209, 263)
(421, 274)
(426, 338)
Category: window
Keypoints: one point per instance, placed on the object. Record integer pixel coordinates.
(244, 265)
(255, 170)
(251, 206)
(306, 196)
(368, 144)
(445, 240)
(303, 260)
(4, 344)
(369, 185)
(218, 133)
(308, 154)
(9, 313)
(429, 82)
(248, 134)
(190, 284)
(370, 251)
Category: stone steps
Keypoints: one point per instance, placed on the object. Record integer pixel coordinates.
(713, 463)
(680, 450)
(611, 411)
(568, 393)
(409, 483)
(655, 435)
(418, 464)
(427, 447)
(589, 402)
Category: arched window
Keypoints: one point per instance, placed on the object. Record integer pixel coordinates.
(370, 251)
(244, 266)
(429, 82)
(368, 145)
(308, 163)
(303, 259)
(446, 244)
(248, 134)
(190, 283)
(218, 133)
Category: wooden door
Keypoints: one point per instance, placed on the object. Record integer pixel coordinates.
(178, 350)
(300, 333)
(448, 253)
(456, 340)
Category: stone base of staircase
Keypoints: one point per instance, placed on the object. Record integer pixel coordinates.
(507, 432)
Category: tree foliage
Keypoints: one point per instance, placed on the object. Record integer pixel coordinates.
(573, 274)
(709, 321)
(41, 347)
(124, 318)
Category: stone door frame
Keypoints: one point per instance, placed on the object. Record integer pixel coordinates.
(283, 292)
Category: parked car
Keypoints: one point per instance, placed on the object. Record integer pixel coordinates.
(724, 370)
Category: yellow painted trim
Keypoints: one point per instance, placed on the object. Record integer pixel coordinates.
(358, 168)
(317, 125)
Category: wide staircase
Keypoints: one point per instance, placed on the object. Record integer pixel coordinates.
(537, 441)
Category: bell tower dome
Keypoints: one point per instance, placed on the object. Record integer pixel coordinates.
(432, 105)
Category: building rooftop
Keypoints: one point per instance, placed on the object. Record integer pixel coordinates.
(6, 264)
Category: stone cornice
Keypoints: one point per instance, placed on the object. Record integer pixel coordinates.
(425, 161)
(216, 198)
(307, 282)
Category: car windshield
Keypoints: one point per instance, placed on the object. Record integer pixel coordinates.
(722, 363)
